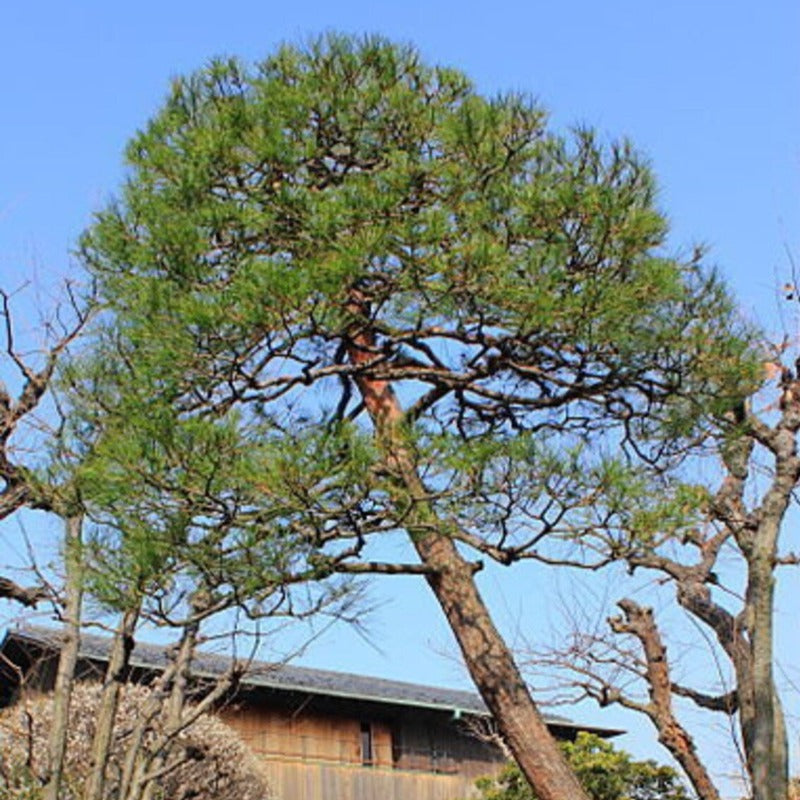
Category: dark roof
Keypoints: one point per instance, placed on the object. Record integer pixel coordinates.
(286, 677)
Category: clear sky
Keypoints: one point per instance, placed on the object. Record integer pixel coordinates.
(708, 89)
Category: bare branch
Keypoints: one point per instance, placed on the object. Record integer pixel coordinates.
(382, 568)
(28, 596)
(726, 703)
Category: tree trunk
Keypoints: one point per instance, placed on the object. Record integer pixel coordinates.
(765, 746)
(494, 671)
(172, 715)
(780, 749)
(452, 580)
(115, 676)
(68, 658)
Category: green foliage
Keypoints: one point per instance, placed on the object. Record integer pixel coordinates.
(176, 496)
(258, 198)
(605, 773)
(509, 282)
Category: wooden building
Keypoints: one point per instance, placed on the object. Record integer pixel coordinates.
(320, 735)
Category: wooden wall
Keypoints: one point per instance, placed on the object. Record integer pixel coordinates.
(313, 755)
(297, 781)
(436, 745)
(309, 737)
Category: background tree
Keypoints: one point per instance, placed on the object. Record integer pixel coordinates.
(158, 528)
(33, 450)
(720, 549)
(359, 262)
(177, 541)
(28, 441)
(605, 773)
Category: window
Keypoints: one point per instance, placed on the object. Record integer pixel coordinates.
(366, 744)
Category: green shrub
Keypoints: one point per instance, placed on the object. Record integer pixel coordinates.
(605, 772)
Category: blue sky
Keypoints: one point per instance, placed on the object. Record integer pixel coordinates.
(709, 90)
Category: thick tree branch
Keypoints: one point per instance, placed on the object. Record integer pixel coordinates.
(727, 703)
(639, 622)
(28, 596)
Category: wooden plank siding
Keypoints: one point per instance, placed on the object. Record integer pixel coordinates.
(277, 733)
(319, 756)
(303, 781)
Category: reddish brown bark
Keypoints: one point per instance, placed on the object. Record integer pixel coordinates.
(488, 659)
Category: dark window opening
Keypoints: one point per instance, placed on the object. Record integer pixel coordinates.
(366, 745)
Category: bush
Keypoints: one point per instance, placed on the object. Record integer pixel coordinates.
(210, 761)
(605, 773)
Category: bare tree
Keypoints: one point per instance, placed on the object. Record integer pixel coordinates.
(24, 488)
(21, 486)
(692, 551)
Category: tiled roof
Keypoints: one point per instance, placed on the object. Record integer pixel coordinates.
(284, 676)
